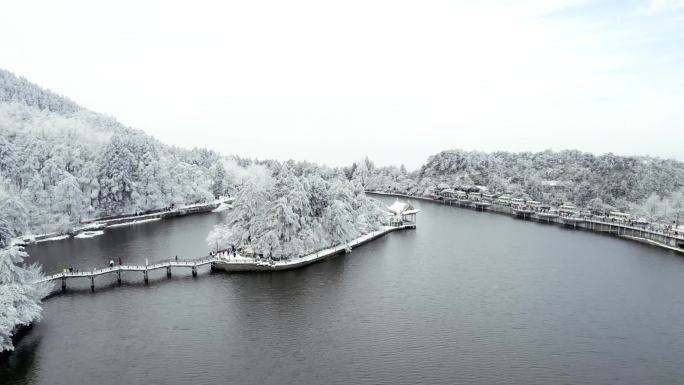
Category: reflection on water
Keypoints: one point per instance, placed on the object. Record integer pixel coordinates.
(19, 366)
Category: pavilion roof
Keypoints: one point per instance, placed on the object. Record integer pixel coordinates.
(402, 208)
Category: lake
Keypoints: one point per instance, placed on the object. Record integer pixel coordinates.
(466, 298)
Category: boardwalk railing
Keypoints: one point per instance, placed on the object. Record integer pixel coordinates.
(671, 240)
(193, 264)
(223, 257)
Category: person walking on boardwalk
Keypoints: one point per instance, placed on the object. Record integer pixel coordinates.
(176, 258)
(119, 261)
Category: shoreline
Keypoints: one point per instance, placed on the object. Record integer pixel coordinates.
(616, 229)
(121, 221)
(223, 261)
(243, 264)
(18, 334)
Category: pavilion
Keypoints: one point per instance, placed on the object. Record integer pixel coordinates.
(402, 213)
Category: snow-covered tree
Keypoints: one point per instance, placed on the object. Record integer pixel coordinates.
(68, 193)
(12, 215)
(249, 206)
(20, 298)
(64, 163)
(362, 171)
(298, 209)
(218, 186)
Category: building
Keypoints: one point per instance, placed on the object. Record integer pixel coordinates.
(619, 217)
(567, 209)
(503, 200)
(402, 213)
(517, 202)
(475, 196)
(488, 197)
(449, 194)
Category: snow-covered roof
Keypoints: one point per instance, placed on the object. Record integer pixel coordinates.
(618, 214)
(402, 208)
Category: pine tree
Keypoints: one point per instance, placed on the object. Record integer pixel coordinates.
(68, 193)
(19, 297)
(218, 186)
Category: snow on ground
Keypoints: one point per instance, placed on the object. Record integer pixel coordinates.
(135, 222)
(331, 250)
(92, 226)
(193, 205)
(56, 238)
(239, 259)
(89, 234)
(222, 207)
(307, 258)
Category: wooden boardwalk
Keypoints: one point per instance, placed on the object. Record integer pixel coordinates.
(667, 240)
(222, 260)
(192, 264)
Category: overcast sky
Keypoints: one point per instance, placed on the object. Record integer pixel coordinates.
(332, 81)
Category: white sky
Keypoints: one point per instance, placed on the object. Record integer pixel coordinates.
(332, 81)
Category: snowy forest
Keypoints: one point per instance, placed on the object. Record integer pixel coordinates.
(20, 298)
(60, 164)
(282, 211)
(64, 163)
(645, 186)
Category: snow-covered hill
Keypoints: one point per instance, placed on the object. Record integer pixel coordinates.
(60, 163)
(644, 185)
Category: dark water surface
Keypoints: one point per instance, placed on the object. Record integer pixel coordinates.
(467, 298)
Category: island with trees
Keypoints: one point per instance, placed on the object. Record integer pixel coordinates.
(287, 211)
